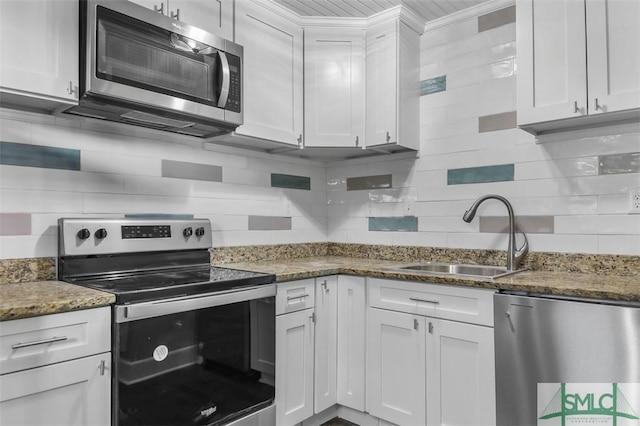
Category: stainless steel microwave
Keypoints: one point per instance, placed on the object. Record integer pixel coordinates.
(140, 67)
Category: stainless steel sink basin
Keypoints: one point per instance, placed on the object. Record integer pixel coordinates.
(482, 271)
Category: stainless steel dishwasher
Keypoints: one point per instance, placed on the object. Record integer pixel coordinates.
(566, 361)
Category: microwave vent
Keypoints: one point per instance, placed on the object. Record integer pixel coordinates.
(143, 118)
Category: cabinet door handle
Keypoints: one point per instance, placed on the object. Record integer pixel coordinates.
(70, 89)
(415, 324)
(300, 145)
(302, 296)
(324, 286)
(357, 141)
(159, 9)
(575, 107)
(176, 15)
(388, 137)
(597, 104)
(415, 299)
(39, 342)
(430, 327)
(102, 367)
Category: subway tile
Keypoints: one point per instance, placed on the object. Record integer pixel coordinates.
(527, 224)
(497, 19)
(17, 154)
(619, 163)
(501, 121)
(369, 182)
(398, 223)
(194, 171)
(433, 85)
(290, 181)
(482, 174)
(269, 223)
(15, 224)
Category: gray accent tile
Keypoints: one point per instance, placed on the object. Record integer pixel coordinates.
(433, 85)
(490, 123)
(18, 154)
(483, 174)
(369, 182)
(290, 181)
(15, 224)
(394, 223)
(195, 171)
(269, 223)
(497, 19)
(527, 224)
(619, 163)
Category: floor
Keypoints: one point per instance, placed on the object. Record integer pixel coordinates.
(338, 422)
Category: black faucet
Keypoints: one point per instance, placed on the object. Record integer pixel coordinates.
(514, 257)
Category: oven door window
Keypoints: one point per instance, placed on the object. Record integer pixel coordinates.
(203, 367)
(138, 54)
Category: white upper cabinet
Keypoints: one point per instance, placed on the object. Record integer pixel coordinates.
(39, 53)
(214, 16)
(334, 87)
(273, 67)
(392, 84)
(578, 63)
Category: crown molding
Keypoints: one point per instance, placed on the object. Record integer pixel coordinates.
(469, 13)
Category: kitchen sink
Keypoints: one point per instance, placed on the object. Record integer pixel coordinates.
(481, 271)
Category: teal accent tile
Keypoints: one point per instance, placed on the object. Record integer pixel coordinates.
(619, 163)
(15, 223)
(483, 174)
(433, 85)
(526, 224)
(18, 154)
(290, 181)
(502, 121)
(394, 223)
(369, 182)
(194, 171)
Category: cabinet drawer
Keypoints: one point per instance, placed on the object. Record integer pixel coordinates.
(295, 296)
(32, 342)
(455, 303)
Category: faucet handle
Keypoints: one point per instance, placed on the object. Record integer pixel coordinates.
(522, 251)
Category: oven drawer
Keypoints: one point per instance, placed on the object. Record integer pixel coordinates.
(295, 296)
(456, 303)
(33, 342)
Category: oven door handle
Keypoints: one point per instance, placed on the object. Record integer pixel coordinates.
(189, 303)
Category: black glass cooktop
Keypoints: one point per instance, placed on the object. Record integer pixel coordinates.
(172, 282)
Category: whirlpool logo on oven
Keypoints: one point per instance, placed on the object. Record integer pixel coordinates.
(582, 404)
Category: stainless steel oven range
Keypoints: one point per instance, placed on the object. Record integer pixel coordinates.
(193, 344)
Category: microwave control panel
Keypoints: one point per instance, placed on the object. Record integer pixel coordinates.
(233, 102)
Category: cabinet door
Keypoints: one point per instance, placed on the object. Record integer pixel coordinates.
(214, 16)
(460, 374)
(351, 341)
(613, 54)
(396, 367)
(382, 77)
(39, 49)
(71, 393)
(551, 60)
(325, 343)
(334, 87)
(273, 67)
(294, 367)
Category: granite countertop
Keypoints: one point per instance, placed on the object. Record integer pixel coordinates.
(23, 300)
(613, 287)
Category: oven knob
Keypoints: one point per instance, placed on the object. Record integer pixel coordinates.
(187, 231)
(199, 232)
(83, 234)
(101, 233)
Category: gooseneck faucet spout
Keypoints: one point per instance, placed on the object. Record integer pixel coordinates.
(514, 257)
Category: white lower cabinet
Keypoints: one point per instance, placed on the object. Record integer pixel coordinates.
(56, 369)
(396, 367)
(423, 369)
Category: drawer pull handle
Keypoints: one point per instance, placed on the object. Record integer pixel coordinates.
(415, 299)
(302, 296)
(38, 342)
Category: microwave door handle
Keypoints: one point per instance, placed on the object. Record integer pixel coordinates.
(226, 80)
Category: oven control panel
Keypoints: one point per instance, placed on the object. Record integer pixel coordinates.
(102, 236)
